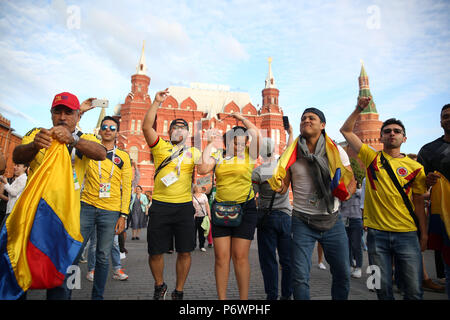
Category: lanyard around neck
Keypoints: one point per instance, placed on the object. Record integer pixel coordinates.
(112, 167)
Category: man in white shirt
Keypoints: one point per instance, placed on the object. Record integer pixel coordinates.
(16, 187)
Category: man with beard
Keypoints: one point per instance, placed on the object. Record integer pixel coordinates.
(392, 230)
(171, 214)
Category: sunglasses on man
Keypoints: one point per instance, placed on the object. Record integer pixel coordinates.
(112, 127)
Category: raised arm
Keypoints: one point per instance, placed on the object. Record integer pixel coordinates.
(347, 129)
(147, 126)
(253, 132)
(208, 162)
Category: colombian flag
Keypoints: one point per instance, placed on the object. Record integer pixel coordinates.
(340, 176)
(41, 237)
(439, 228)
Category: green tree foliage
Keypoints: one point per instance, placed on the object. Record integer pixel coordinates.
(358, 172)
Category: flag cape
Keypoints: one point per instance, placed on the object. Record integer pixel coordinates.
(340, 175)
(41, 237)
(439, 227)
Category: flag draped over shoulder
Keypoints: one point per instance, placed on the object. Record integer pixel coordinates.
(439, 227)
(340, 175)
(41, 237)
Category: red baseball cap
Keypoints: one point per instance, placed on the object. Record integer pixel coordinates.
(66, 99)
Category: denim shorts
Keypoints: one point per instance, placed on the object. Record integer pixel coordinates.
(246, 230)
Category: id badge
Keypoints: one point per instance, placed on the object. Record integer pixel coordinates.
(169, 179)
(75, 181)
(105, 190)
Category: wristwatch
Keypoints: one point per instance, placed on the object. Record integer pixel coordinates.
(76, 138)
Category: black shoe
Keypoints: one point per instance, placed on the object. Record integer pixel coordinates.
(177, 295)
(137, 238)
(160, 292)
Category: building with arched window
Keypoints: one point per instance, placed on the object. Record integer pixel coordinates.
(203, 106)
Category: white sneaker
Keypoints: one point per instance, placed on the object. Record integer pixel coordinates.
(322, 266)
(90, 276)
(356, 273)
(202, 249)
(120, 275)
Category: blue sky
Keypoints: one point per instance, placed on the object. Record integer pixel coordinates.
(316, 46)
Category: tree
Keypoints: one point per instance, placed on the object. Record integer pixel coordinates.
(358, 172)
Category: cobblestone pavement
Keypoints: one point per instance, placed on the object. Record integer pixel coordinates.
(200, 284)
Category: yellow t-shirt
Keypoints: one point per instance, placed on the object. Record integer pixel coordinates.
(80, 161)
(384, 208)
(234, 177)
(120, 193)
(180, 190)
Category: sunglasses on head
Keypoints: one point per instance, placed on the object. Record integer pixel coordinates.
(112, 127)
(397, 131)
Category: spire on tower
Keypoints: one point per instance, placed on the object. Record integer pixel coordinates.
(142, 67)
(364, 90)
(270, 81)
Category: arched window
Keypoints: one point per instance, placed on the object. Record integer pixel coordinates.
(138, 128)
(165, 127)
(132, 126)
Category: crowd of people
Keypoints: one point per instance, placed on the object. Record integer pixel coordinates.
(329, 208)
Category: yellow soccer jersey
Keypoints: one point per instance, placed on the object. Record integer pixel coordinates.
(120, 192)
(384, 208)
(180, 190)
(81, 161)
(234, 178)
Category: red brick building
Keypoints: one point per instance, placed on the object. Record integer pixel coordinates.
(203, 106)
(8, 141)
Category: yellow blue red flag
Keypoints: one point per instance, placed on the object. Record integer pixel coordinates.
(439, 226)
(41, 237)
(340, 175)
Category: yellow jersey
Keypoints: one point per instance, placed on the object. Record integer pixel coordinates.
(118, 163)
(178, 191)
(80, 161)
(384, 208)
(234, 177)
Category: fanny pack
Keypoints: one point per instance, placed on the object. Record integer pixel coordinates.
(319, 222)
(228, 213)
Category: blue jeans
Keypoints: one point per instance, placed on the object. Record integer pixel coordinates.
(335, 248)
(447, 279)
(103, 223)
(354, 234)
(275, 236)
(115, 252)
(403, 249)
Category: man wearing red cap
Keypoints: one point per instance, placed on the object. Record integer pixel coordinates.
(66, 112)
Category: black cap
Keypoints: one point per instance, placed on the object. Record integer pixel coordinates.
(179, 122)
(317, 112)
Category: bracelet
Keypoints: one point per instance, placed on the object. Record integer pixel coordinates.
(125, 216)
